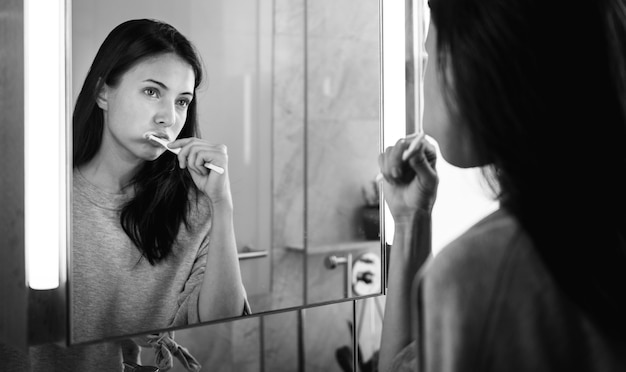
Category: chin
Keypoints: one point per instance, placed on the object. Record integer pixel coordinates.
(460, 160)
(151, 155)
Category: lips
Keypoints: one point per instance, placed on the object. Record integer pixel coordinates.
(162, 136)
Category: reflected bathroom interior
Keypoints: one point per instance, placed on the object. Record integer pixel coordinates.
(294, 90)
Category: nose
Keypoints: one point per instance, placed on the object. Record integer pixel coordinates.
(166, 114)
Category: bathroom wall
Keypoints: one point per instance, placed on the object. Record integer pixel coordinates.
(335, 91)
(218, 347)
(315, 339)
(343, 116)
(343, 137)
(327, 126)
(288, 106)
(13, 320)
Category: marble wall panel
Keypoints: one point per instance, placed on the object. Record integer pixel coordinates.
(343, 116)
(288, 156)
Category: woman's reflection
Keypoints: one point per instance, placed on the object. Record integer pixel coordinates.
(153, 237)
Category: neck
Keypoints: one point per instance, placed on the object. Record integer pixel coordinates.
(109, 173)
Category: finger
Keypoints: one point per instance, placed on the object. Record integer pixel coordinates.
(414, 146)
(220, 163)
(202, 154)
(383, 162)
(423, 160)
(191, 154)
(431, 153)
(182, 161)
(199, 164)
(181, 142)
(394, 159)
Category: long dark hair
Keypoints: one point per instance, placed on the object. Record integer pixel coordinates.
(162, 191)
(536, 82)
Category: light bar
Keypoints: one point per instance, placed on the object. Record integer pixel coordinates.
(44, 141)
(394, 85)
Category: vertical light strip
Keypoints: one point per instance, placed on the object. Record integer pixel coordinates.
(44, 141)
(394, 81)
(421, 20)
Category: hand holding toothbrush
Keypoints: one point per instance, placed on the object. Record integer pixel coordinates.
(207, 164)
(410, 177)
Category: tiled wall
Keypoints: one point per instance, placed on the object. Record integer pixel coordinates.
(321, 340)
(326, 116)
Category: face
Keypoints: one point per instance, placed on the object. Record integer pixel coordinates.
(451, 137)
(151, 98)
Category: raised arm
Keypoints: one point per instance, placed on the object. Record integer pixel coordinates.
(410, 188)
(222, 293)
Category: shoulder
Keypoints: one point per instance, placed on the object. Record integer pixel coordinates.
(477, 256)
(487, 299)
(464, 283)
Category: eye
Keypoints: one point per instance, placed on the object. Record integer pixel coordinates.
(152, 92)
(183, 102)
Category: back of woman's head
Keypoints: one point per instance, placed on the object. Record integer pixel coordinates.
(126, 45)
(538, 85)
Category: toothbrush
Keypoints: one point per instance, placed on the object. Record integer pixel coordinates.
(163, 143)
(416, 139)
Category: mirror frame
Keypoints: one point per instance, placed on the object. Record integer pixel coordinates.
(61, 298)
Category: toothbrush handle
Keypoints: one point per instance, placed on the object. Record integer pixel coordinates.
(210, 166)
(214, 167)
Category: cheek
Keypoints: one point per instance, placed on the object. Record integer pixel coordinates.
(180, 123)
(435, 119)
(122, 115)
(456, 148)
(452, 140)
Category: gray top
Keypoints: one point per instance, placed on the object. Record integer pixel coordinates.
(114, 291)
(488, 303)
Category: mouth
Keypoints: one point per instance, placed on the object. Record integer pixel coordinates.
(162, 136)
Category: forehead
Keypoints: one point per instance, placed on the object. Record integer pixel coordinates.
(169, 69)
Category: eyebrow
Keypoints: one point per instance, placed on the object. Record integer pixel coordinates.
(164, 86)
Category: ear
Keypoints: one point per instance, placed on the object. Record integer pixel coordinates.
(102, 94)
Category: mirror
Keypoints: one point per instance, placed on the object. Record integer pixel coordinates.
(342, 145)
(293, 88)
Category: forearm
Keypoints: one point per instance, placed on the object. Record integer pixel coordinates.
(411, 248)
(222, 293)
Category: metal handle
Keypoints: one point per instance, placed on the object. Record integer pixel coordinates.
(331, 262)
(366, 276)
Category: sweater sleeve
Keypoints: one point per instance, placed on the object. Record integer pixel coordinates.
(187, 310)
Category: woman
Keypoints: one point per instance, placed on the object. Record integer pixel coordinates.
(153, 237)
(533, 92)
